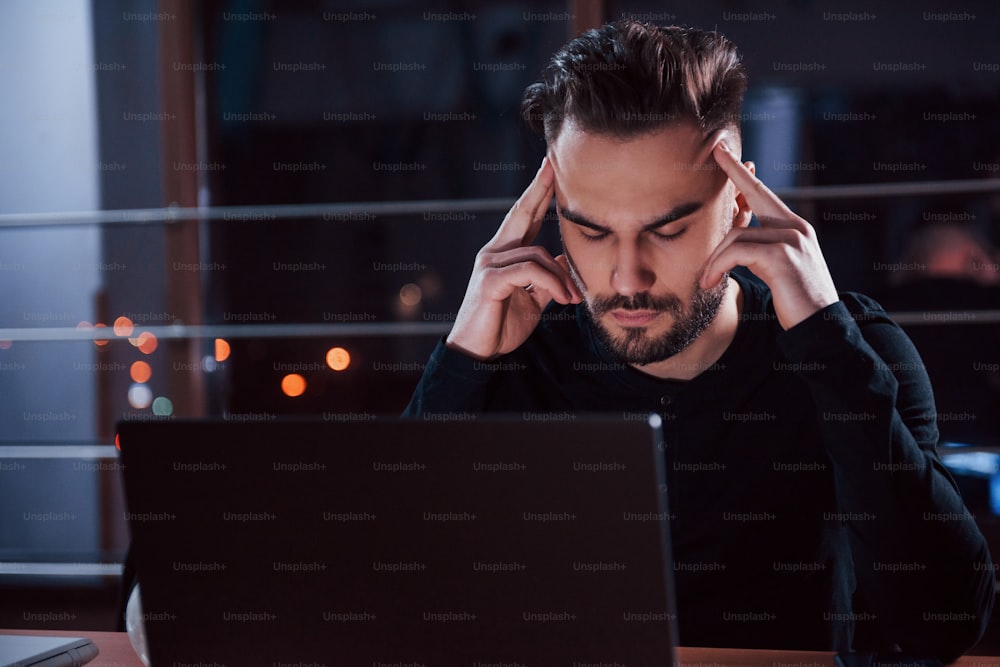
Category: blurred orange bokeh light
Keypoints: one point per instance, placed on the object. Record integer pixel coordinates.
(338, 358)
(124, 326)
(140, 371)
(146, 342)
(293, 385)
(221, 350)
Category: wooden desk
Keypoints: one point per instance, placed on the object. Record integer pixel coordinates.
(116, 651)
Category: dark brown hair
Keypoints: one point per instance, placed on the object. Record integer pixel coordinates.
(628, 78)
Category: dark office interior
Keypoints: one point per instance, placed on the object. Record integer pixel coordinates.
(249, 209)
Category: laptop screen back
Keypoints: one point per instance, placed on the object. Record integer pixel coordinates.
(486, 542)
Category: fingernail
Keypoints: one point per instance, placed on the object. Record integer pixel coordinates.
(724, 146)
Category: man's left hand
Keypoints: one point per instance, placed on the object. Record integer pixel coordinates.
(783, 251)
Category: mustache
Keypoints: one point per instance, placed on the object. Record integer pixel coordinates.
(641, 301)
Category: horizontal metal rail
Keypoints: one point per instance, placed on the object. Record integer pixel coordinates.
(233, 331)
(42, 569)
(377, 329)
(61, 451)
(369, 211)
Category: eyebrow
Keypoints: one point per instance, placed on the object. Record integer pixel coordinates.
(674, 215)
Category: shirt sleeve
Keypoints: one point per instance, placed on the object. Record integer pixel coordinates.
(452, 383)
(921, 563)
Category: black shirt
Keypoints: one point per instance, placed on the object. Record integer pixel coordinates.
(810, 509)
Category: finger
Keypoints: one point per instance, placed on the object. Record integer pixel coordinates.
(761, 258)
(764, 203)
(499, 282)
(524, 219)
(789, 237)
(563, 261)
(709, 145)
(536, 254)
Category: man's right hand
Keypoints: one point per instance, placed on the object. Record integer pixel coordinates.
(513, 281)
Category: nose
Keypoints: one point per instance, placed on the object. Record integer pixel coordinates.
(631, 273)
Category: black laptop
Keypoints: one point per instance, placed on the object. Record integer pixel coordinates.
(481, 542)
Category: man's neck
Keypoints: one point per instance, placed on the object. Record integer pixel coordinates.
(709, 347)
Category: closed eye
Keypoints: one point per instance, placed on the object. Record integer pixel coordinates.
(594, 236)
(668, 237)
(600, 236)
(599, 232)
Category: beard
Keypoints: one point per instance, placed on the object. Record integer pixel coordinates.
(634, 345)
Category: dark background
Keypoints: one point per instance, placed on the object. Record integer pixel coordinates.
(791, 118)
(342, 121)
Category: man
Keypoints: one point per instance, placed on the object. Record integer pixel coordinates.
(810, 509)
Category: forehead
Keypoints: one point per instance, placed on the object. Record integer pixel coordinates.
(612, 180)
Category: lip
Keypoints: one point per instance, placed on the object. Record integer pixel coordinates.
(634, 318)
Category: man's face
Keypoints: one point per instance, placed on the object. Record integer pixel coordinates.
(639, 219)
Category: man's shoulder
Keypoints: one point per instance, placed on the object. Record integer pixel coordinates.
(863, 307)
(886, 337)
